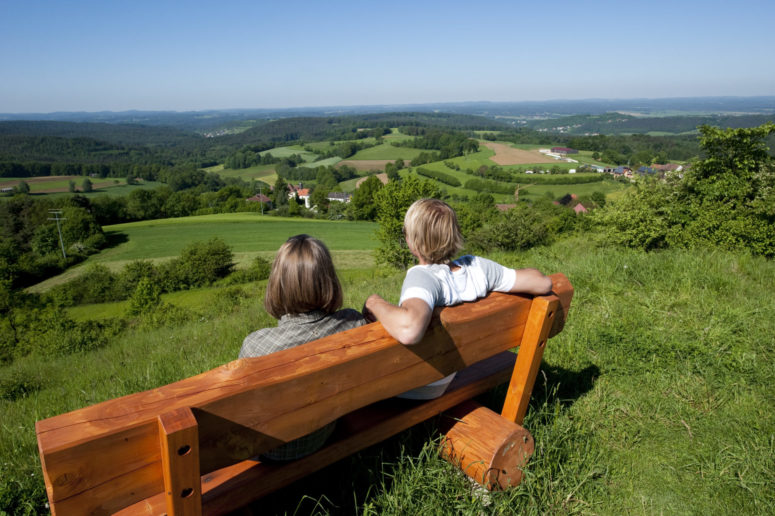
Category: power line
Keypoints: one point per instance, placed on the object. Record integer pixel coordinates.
(56, 214)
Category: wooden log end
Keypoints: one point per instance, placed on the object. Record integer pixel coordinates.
(487, 447)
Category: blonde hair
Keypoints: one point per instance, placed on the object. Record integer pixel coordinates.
(432, 231)
(303, 279)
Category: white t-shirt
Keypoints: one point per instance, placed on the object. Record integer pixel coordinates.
(437, 285)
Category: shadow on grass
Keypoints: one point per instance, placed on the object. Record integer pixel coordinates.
(346, 486)
(114, 239)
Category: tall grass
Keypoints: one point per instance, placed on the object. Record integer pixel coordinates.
(656, 398)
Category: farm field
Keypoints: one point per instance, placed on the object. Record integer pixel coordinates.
(61, 185)
(248, 234)
(508, 155)
(366, 165)
(265, 173)
(387, 152)
(284, 152)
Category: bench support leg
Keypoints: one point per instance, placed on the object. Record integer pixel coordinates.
(488, 448)
(179, 436)
(531, 350)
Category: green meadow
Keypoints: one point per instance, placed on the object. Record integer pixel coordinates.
(248, 234)
(388, 151)
(105, 186)
(265, 173)
(655, 399)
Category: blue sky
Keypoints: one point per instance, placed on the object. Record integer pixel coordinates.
(172, 55)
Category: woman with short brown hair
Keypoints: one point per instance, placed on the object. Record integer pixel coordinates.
(305, 295)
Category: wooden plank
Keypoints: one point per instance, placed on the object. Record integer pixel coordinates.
(230, 488)
(179, 442)
(531, 350)
(267, 400)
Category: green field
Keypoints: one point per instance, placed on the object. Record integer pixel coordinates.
(265, 173)
(387, 151)
(248, 234)
(107, 186)
(284, 152)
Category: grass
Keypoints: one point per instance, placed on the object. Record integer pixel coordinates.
(248, 234)
(106, 186)
(265, 173)
(284, 152)
(656, 398)
(388, 151)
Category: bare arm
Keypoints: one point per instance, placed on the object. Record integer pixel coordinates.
(531, 281)
(406, 323)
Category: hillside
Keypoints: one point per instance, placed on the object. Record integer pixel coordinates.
(656, 397)
(622, 123)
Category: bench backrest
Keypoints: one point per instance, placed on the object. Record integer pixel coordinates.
(107, 456)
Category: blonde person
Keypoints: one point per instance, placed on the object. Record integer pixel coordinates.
(304, 293)
(433, 236)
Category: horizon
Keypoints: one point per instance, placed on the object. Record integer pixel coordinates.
(89, 56)
(426, 104)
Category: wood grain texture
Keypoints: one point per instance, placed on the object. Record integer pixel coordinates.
(539, 324)
(485, 446)
(230, 488)
(179, 442)
(251, 405)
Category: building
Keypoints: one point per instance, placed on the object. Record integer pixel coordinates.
(339, 196)
(260, 198)
(564, 150)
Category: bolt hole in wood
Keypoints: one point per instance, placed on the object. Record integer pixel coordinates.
(550, 314)
(184, 449)
(186, 492)
(542, 343)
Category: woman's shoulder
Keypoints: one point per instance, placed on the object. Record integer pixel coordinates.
(349, 315)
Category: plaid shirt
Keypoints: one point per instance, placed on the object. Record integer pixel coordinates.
(293, 330)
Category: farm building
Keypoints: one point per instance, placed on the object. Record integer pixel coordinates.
(339, 197)
(260, 198)
(564, 150)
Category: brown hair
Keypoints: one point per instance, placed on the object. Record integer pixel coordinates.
(432, 231)
(302, 279)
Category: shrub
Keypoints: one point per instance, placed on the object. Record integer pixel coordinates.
(259, 270)
(202, 263)
(146, 297)
(519, 228)
(439, 176)
(725, 200)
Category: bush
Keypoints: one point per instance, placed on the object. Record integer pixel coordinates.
(519, 228)
(259, 270)
(202, 263)
(439, 176)
(724, 201)
(146, 297)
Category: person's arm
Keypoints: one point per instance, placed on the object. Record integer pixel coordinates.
(531, 281)
(406, 323)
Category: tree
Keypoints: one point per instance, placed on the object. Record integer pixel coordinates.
(392, 202)
(362, 206)
(280, 194)
(22, 188)
(145, 298)
(86, 186)
(726, 200)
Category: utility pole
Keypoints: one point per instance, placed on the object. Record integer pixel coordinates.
(56, 214)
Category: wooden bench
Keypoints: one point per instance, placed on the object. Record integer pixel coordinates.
(186, 448)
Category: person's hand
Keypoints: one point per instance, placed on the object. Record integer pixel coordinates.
(367, 313)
